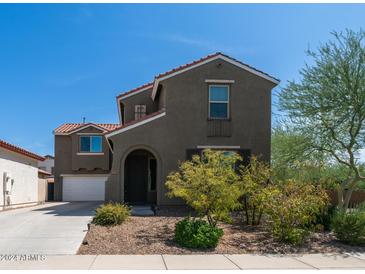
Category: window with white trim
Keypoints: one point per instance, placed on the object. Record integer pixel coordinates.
(91, 143)
(139, 111)
(218, 101)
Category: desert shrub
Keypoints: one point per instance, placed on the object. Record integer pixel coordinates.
(290, 207)
(197, 234)
(111, 214)
(323, 219)
(349, 226)
(254, 179)
(208, 183)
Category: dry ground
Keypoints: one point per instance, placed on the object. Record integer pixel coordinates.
(155, 235)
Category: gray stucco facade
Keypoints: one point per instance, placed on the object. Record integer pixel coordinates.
(181, 106)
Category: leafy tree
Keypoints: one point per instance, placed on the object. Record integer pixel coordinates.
(254, 179)
(291, 151)
(209, 184)
(290, 148)
(293, 157)
(327, 106)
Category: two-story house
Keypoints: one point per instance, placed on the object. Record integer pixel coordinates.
(216, 102)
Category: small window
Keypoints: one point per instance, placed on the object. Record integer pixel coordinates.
(139, 111)
(218, 102)
(90, 143)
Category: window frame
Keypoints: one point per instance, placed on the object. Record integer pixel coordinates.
(90, 136)
(140, 114)
(219, 102)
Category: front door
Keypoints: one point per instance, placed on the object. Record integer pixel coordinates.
(136, 179)
(50, 187)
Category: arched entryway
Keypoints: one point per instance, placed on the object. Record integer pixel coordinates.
(140, 177)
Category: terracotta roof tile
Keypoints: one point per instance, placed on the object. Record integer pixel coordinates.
(41, 171)
(136, 89)
(20, 150)
(247, 65)
(69, 127)
(189, 65)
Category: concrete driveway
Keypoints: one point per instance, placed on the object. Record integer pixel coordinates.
(52, 229)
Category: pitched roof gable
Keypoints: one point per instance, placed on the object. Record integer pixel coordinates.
(192, 65)
(70, 128)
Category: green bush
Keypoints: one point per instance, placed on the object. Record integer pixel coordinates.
(291, 207)
(254, 179)
(209, 184)
(323, 220)
(290, 235)
(197, 234)
(111, 214)
(349, 227)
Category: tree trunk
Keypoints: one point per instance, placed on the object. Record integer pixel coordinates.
(340, 200)
(246, 211)
(345, 192)
(253, 215)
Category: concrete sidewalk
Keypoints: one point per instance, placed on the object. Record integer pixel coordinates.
(215, 261)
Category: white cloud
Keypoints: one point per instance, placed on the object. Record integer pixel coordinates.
(362, 155)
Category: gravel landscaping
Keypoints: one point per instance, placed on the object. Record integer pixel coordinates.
(155, 235)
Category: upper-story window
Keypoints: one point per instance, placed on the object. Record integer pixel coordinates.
(91, 143)
(139, 111)
(218, 101)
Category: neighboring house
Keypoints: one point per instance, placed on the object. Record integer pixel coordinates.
(48, 165)
(19, 176)
(216, 102)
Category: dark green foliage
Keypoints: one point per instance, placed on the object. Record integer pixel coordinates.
(111, 214)
(323, 220)
(209, 184)
(349, 227)
(197, 234)
(290, 207)
(290, 235)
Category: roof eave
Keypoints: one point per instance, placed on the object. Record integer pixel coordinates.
(208, 60)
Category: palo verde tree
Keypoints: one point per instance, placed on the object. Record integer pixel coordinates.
(327, 105)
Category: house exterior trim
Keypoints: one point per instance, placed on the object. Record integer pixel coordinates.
(81, 128)
(135, 92)
(90, 153)
(216, 81)
(217, 147)
(85, 175)
(135, 125)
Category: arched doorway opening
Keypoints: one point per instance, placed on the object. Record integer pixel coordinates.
(140, 177)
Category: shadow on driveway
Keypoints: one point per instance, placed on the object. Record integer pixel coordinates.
(71, 209)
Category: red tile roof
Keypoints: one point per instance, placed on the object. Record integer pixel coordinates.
(139, 120)
(41, 171)
(69, 127)
(189, 65)
(19, 150)
(136, 89)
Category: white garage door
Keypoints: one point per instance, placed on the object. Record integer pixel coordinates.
(88, 188)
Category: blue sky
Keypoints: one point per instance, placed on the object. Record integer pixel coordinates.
(59, 63)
